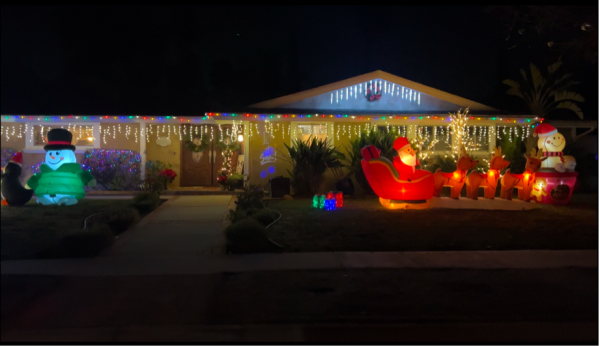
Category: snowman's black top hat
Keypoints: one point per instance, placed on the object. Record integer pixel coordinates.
(59, 139)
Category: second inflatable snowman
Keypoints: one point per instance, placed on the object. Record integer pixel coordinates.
(551, 143)
(61, 179)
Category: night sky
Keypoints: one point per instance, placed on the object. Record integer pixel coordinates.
(191, 60)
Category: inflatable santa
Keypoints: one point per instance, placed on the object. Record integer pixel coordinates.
(406, 161)
(551, 143)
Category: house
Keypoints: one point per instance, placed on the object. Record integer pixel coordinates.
(337, 111)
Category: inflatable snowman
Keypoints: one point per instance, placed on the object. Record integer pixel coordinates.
(61, 179)
(551, 143)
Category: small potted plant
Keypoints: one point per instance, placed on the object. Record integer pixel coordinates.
(222, 180)
(168, 175)
(234, 181)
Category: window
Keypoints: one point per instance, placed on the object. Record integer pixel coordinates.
(443, 136)
(83, 135)
(316, 130)
(480, 136)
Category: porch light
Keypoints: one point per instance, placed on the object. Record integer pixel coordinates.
(240, 137)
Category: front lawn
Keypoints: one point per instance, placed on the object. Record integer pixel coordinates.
(364, 225)
(33, 230)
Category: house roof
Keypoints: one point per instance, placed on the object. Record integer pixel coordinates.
(280, 102)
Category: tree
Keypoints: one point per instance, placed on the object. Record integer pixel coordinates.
(545, 94)
(566, 32)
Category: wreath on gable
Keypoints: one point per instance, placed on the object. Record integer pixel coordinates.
(197, 144)
(373, 94)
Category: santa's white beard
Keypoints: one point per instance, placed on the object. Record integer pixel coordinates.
(408, 159)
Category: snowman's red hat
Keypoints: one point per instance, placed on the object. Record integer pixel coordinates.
(17, 159)
(400, 143)
(544, 130)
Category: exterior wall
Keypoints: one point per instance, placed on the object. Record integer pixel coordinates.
(261, 170)
(348, 99)
(167, 154)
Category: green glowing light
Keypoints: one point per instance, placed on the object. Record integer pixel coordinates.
(322, 202)
(316, 201)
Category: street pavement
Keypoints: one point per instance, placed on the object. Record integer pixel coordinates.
(167, 280)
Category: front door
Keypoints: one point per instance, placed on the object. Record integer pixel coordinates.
(201, 169)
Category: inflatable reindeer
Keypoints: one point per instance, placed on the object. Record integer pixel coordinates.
(489, 180)
(524, 182)
(455, 180)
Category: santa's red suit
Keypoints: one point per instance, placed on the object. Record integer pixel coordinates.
(405, 172)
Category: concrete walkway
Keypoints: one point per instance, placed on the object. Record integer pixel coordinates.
(182, 226)
(188, 263)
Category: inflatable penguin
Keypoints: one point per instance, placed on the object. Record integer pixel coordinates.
(61, 179)
(12, 190)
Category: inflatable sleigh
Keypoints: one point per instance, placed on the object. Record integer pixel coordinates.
(394, 193)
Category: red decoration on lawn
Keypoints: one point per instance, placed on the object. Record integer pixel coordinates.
(412, 190)
(329, 195)
(339, 199)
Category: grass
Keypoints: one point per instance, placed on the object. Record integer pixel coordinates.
(364, 225)
(33, 230)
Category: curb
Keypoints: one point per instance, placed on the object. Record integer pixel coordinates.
(436, 332)
(200, 265)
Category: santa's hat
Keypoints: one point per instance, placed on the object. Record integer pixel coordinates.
(544, 130)
(18, 159)
(400, 143)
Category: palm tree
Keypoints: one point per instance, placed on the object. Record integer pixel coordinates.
(545, 94)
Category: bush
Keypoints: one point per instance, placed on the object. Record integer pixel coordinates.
(114, 169)
(382, 140)
(310, 160)
(145, 201)
(83, 243)
(120, 220)
(252, 197)
(265, 216)
(246, 236)
(234, 180)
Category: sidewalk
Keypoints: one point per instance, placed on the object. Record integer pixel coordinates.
(182, 226)
(130, 260)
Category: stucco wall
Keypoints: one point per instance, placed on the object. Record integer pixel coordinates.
(261, 171)
(168, 154)
(385, 103)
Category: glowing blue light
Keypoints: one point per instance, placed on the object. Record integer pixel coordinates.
(263, 174)
(271, 169)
